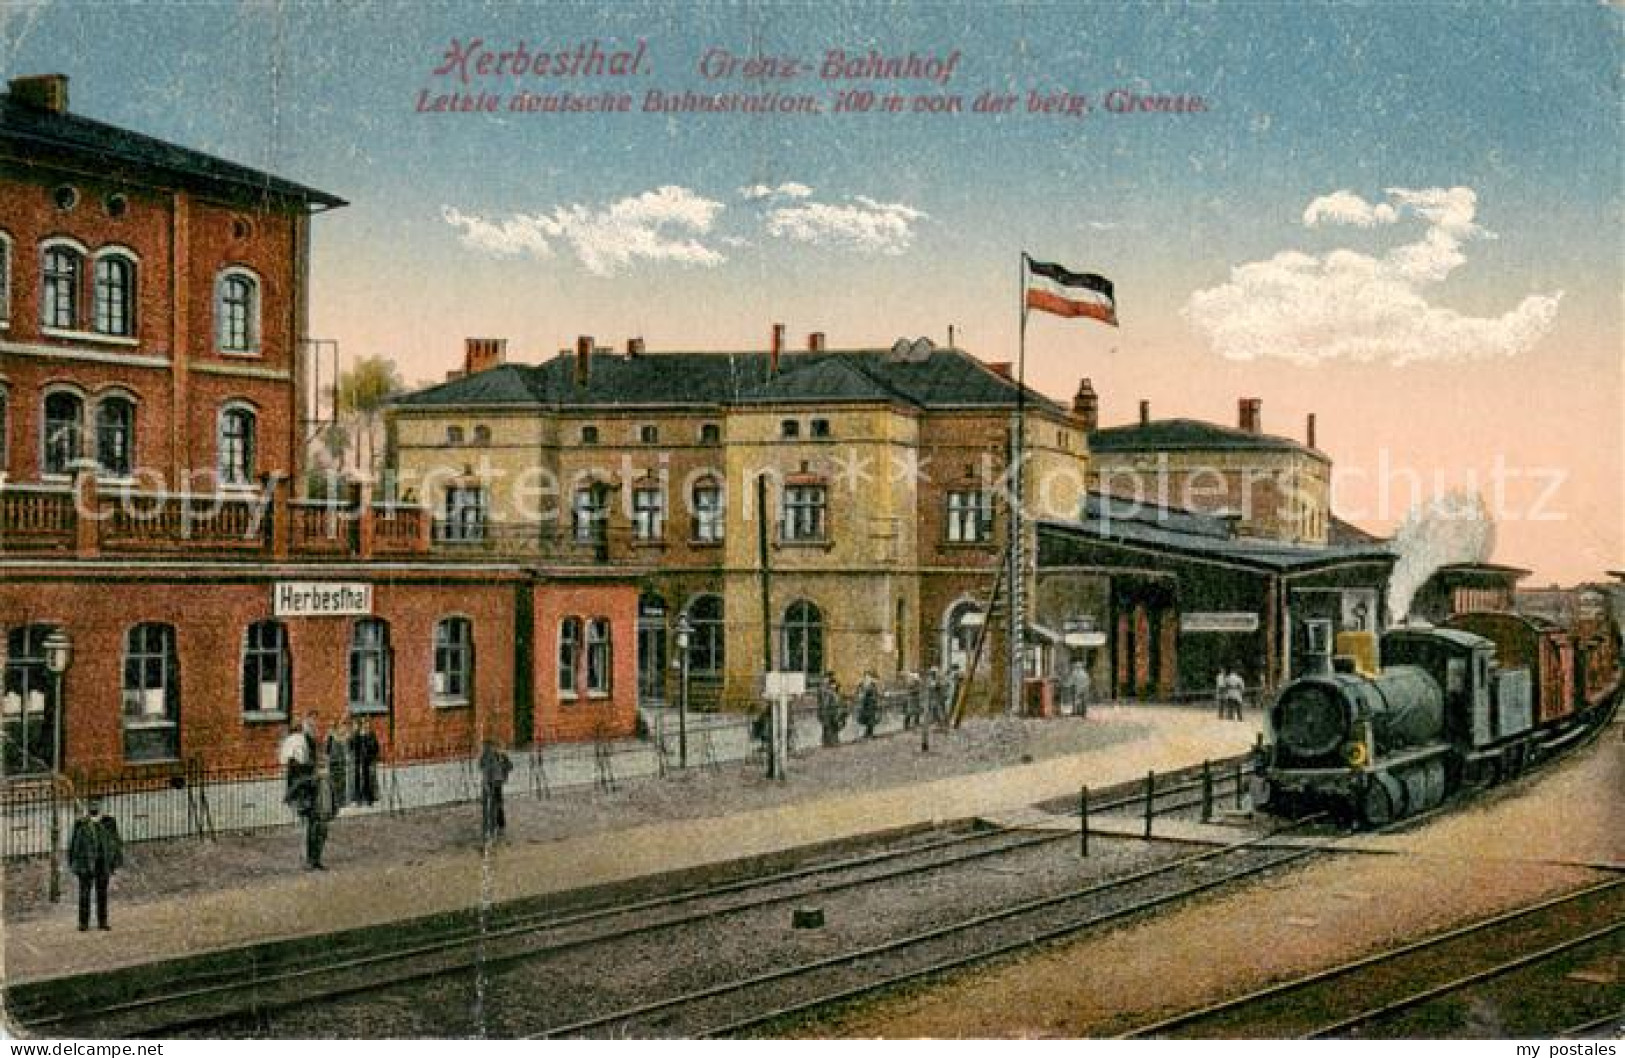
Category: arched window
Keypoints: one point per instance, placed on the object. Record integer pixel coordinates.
(115, 436)
(369, 666)
(705, 641)
(267, 671)
(60, 277)
(453, 661)
(237, 312)
(709, 511)
(28, 701)
(960, 627)
(802, 639)
(598, 656)
(63, 439)
(234, 445)
(569, 656)
(115, 295)
(151, 694)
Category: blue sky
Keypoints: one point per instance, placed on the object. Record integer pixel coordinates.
(905, 224)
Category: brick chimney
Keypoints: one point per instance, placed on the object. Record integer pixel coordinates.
(47, 91)
(634, 348)
(1251, 414)
(815, 342)
(1145, 413)
(482, 354)
(1309, 430)
(775, 349)
(583, 359)
(1086, 406)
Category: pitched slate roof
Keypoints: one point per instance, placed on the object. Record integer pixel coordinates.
(947, 378)
(1111, 520)
(1165, 435)
(43, 134)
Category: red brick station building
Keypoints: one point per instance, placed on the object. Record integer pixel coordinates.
(166, 596)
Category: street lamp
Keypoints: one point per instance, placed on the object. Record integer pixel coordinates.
(684, 632)
(58, 653)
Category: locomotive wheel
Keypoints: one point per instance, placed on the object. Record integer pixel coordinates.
(1377, 808)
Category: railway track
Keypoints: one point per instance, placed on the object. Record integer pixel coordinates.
(246, 988)
(1487, 972)
(774, 997)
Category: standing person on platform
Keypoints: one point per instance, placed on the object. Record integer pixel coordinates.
(312, 799)
(298, 755)
(95, 851)
(1221, 687)
(868, 695)
(950, 693)
(364, 761)
(495, 767)
(913, 701)
(339, 766)
(831, 716)
(933, 697)
(1079, 687)
(1235, 687)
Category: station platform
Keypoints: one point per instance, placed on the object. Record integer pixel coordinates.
(379, 888)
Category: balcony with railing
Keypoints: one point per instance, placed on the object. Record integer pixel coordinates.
(90, 519)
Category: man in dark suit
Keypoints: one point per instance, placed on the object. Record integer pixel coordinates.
(94, 853)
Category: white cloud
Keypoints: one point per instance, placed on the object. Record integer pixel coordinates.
(667, 224)
(860, 223)
(1345, 304)
(790, 190)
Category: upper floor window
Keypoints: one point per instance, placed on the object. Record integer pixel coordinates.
(589, 512)
(970, 516)
(63, 441)
(482, 435)
(5, 429)
(710, 433)
(589, 435)
(789, 429)
(237, 312)
(708, 512)
(820, 428)
(267, 670)
(234, 443)
(805, 508)
(453, 660)
(648, 435)
(151, 693)
(465, 514)
(59, 287)
(115, 436)
(115, 295)
(648, 513)
(454, 435)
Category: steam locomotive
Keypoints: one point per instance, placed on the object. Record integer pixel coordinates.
(1470, 703)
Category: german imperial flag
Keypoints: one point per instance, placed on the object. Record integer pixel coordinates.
(1055, 289)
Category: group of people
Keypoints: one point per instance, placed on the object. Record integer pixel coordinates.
(926, 700)
(325, 774)
(1230, 692)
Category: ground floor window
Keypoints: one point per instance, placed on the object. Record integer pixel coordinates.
(706, 640)
(802, 639)
(28, 702)
(151, 693)
(267, 671)
(369, 666)
(453, 661)
(598, 656)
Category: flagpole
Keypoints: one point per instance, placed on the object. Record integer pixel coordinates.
(1018, 615)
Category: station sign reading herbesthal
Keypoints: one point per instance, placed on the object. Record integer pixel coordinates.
(313, 599)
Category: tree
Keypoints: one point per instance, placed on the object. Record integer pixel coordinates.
(362, 392)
